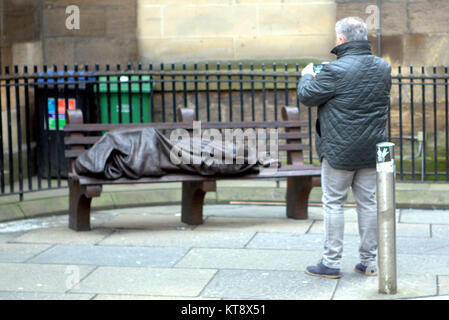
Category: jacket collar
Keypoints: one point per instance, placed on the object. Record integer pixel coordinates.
(358, 47)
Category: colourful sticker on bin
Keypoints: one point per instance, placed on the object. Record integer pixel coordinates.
(61, 112)
(51, 105)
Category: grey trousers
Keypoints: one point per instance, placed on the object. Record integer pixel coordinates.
(335, 185)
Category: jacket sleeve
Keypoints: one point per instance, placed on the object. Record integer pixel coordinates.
(314, 91)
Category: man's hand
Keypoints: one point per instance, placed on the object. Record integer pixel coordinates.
(308, 70)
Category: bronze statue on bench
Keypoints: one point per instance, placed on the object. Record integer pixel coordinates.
(139, 153)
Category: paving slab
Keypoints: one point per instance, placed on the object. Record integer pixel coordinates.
(357, 286)
(413, 230)
(423, 246)
(178, 238)
(18, 252)
(415, 277)
(97, 219)
(314, 241)
(255, 224)
(144, 297)
(402, 229)
(33, 223)
(257, 211)
(111, 255)
(268, 284)
(64, 235)
(40, 277)
(145, 281)
(247, 259)
(440, 231)
(286, 240)
(422, 264)
(351, 228)
(443, 284)
(159, 210)
(425, 216)
(9, 236)
(296, 241)
(439, 297)
(147, 221)
(241, 252)
(350, 213)
(44, 296)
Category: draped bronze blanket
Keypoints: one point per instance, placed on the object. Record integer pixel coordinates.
(136, 153)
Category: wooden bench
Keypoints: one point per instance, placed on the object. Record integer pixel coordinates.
(300, 176)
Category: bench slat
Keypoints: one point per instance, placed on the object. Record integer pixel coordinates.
(81, 140)
(293, 147)
(90, 127)
(70, 140)
(293, 135)
(73, 153)
(314, 172)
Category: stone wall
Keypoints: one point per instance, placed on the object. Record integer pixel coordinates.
(115, 31)
(201, 30)
(35, 32)
(413, 31)
(20, 32)
(107, 32)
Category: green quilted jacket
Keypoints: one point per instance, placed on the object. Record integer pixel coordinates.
(353, 98)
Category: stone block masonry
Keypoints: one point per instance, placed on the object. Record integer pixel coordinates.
(175, 31)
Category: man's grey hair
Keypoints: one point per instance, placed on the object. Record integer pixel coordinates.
(352, 28)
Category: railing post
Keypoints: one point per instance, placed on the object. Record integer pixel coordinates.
(386, 220)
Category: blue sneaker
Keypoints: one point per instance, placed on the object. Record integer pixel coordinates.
(320, 270)
(367, 271)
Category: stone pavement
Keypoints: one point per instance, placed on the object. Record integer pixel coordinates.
(240, 252)
(53, 201)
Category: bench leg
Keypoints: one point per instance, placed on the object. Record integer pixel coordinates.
(80, 198)
(193, 193)
(298, 190)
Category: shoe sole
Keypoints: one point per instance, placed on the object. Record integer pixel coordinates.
(324, 275)
(365, 273)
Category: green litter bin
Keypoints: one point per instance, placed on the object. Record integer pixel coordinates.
(140, 99)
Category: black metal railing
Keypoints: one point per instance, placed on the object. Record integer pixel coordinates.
(32, 111)
(419, 106)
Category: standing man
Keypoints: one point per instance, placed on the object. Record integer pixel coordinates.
(353, 98)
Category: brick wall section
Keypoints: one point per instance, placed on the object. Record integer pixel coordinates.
(199, 30)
